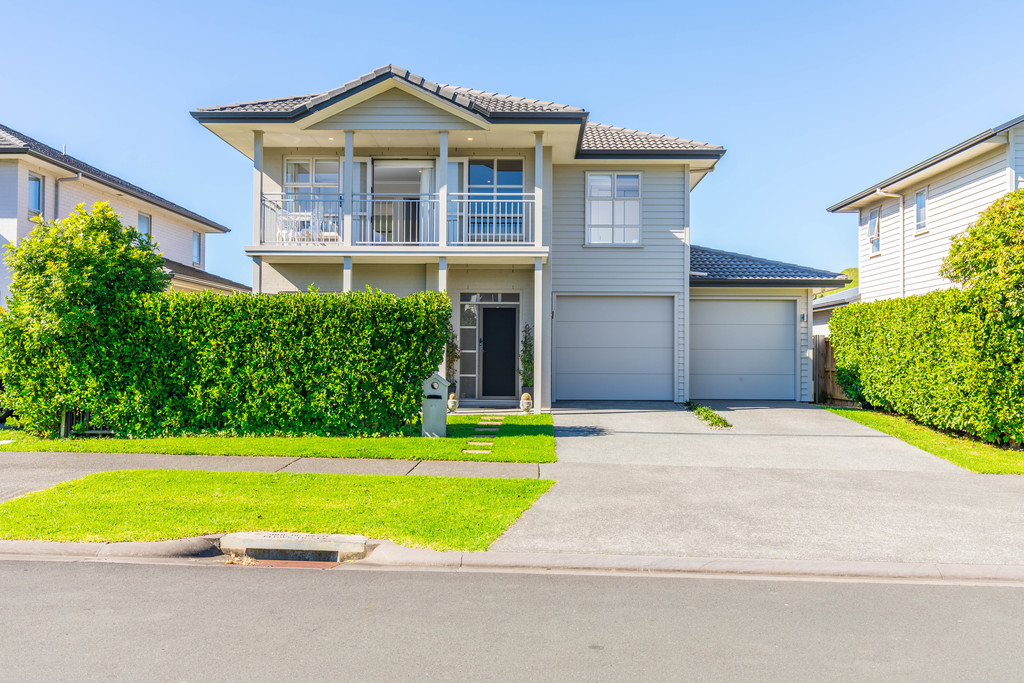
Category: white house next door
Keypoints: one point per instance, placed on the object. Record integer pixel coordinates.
(614, 348)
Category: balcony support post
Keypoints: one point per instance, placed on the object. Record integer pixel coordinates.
(538, 333)
(442, 274)
(347, 199)
(346, 275)
(442, 191)
(538, 187)
(258, 227)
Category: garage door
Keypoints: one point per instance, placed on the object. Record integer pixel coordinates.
(614, 347)
(743, 349)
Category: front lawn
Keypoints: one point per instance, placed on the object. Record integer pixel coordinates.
(521, 438)
(973, 455)
(444, 513)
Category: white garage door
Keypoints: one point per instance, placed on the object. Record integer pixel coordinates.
(743, 349)
(614, 347)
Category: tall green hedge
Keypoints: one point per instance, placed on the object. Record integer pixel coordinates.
(290, 363)
(942, 358)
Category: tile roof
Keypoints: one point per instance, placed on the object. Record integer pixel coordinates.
(13, 142)
(180, 269)
(725, 266)
(479, 101)
(596, 137)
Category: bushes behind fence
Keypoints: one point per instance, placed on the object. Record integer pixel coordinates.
(178, 363)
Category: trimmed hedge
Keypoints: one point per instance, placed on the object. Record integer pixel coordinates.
(948, 359)
(173, 363)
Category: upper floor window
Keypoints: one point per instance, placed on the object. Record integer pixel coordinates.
(613, 208)
(921, 210)
(145, 225)
(35, 195)
(197, 248)
(873, 238)
(312, 176)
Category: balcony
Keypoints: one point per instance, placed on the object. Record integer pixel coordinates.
(385, 220)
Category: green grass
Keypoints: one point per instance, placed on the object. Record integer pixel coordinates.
(971, 454)
(444, 513)
(708, 416)
(521, 438)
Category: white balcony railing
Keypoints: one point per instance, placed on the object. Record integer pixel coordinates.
(490, 219)
(301, 219)
(474, 219)
(383, 219)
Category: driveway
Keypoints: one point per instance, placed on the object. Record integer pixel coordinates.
(789, 481)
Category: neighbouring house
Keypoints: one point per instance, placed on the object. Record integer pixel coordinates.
(824, 306)
(906, 221)
(38, 180)
(524, 212)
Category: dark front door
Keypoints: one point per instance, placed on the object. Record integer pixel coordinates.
(498, 344)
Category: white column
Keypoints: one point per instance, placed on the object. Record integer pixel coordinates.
(442, 274)
(346, 275)
(538, 333)
(347, 178)
(538, 189)
(686, 289)
(442, 191)
(258, 228)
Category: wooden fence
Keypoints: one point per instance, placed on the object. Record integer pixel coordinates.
(826, 389)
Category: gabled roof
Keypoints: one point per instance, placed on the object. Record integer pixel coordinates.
(717, 267)
(837, 299)
(596, 140)
(180, 270)
(13, 142)
(928, 163)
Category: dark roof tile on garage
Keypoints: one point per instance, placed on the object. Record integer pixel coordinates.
(716, 267)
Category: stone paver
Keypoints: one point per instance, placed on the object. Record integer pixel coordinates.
(790, 481)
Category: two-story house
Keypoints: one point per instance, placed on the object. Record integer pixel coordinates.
(524, 212)
(38, 180)
(906, 221)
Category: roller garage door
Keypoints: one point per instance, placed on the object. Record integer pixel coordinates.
(743, 349)
(614, 347)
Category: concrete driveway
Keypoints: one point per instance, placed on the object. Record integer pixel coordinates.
(789, 481)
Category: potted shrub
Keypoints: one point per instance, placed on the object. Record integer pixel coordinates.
(451, 362)
(526, 360)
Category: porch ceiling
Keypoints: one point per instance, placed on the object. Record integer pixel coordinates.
(462, 256)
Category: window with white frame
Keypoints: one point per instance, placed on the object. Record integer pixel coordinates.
(921, 210)
(197, 248)
(145, 224)
(35, 195)
(873, 238)
(613, 208)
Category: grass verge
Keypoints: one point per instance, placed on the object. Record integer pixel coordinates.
(444, 513)
(973, 455)
(521, 438)
(708, 416)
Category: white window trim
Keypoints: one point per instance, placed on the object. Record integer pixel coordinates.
(921, 226)
(586, 211)
(312, 159)
(878, 231)
(197, 240)
(139, 220)
(32, 213)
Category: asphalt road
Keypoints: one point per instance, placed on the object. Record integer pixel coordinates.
(92, 621)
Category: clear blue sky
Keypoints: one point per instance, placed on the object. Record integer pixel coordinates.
(814, 101)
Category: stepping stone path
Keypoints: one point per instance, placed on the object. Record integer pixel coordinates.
(487, 426)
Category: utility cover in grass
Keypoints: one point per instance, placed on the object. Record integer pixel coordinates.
(443, 513)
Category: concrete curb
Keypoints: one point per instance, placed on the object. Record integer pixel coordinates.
(197, 546)
(385, 554)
